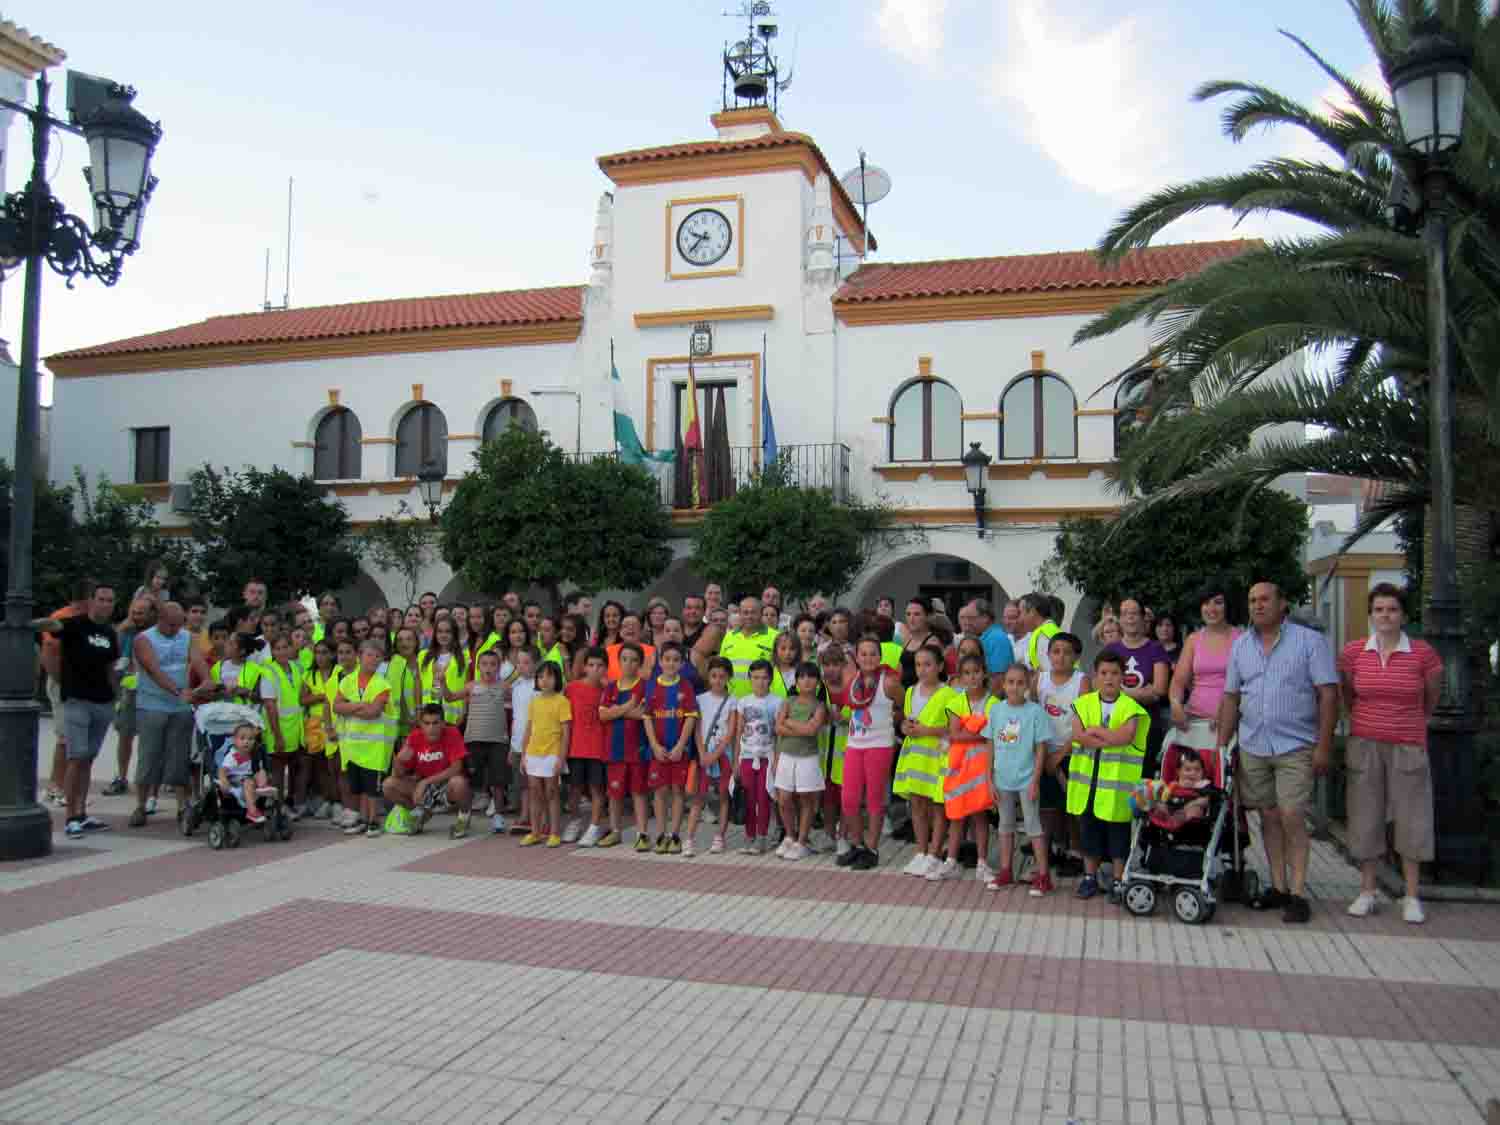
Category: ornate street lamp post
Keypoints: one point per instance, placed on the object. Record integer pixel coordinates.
(1429, 84)
(35, 228)
(430, 485)
(975, 462)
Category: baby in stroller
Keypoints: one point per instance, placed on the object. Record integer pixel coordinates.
(1185, 842)
(242, 772)
(1173, 805)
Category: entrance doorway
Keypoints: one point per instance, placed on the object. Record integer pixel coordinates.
(953, 596)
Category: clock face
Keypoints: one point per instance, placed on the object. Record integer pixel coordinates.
(704, 237)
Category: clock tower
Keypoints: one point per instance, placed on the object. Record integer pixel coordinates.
(722, 251)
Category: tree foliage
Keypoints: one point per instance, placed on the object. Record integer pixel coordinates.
(1164, 562)
(402, 543)
(801, 540)
(270, 525)
(107, 532)
(525, 514)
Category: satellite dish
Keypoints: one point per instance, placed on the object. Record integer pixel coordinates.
(866, 184)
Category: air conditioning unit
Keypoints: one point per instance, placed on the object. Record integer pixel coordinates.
(182, 499)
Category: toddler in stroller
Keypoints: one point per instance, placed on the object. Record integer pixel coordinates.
(235, 792)
(1185, 839)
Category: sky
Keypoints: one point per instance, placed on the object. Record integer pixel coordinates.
(450, 147)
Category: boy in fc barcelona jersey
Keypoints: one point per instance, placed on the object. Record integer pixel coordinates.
(673, 711)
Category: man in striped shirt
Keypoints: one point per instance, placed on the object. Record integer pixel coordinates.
(1281, 694)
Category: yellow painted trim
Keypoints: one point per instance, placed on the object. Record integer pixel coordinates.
(339, 347)
(746, 162)
(464, 437)
(333, 396)
(693, 316)
(751, 115)
(981, 416)
(1102, 412)
(377, 441)
(984, 306)
(304, 445)
(884, 421)
(739, 236)
(1348, 566)
(649, 438)
(417, 394)
(998, 515)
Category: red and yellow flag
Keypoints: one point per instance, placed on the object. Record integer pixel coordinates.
(692, 438)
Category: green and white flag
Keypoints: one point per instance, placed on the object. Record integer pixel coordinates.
(632, 452)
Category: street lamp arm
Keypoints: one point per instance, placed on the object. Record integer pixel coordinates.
(63, 240)
(41, 117)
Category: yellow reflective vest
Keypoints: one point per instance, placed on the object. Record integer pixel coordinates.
(367, 742)
(1118, 767)
(742, 651)
(453, 679)
(288, 683)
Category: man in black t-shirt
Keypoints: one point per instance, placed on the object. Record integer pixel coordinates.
(90, 683)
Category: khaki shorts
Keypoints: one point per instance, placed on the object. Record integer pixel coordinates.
(1283, 781)
(59, 710)
(1389, 782)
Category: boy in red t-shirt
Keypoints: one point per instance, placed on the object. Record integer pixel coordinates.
(622, 710)
(433, 756)
(586, 753)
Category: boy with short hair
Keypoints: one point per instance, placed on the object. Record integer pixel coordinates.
(587, 755)
(1058, 686)
(1018, 729)
(522, 692)
(1109, 745)
(673, 709)
(623, 710)
(486, 737)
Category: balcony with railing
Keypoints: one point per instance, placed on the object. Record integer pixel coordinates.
(723, 472)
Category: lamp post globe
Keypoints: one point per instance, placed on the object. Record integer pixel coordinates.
(975, 461)
(1429, 85)
(430, 484)
(121, 142)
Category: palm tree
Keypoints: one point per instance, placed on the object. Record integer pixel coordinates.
(1326, 330)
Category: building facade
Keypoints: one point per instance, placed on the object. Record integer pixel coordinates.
(742, 251)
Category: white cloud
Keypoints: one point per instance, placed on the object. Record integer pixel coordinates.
(912, 29)
(1090, 104)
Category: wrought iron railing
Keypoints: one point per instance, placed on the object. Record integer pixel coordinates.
(721, 475)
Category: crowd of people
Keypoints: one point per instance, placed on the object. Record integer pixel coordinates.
(641, 727)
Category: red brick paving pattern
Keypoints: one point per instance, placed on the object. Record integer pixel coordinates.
(772, 878)
(56, 1023)
(110, 886)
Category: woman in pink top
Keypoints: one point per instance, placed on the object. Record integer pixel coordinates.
(1391, 685)
(1198, 679)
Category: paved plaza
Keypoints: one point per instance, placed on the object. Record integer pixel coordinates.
(144, 977)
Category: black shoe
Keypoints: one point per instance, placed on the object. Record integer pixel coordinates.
(116, 787)
(1116, 892)
(865, 860)
(1269, 899)
(848, 858)
(1298, 910)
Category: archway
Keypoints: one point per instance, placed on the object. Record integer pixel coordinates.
(361, 596)
(953, 579)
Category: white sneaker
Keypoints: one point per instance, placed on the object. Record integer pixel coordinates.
(688, 851)
(796, 851)
(1411, 911)
(983, 873)
(590, 838)
(1364, 905)
(150, 806)
(843, 847)
(336, 812)
(571, 831)
(715, 848)
(918, 866)
(948, 869)
(784, 847)
(497, 824)
(351, 818)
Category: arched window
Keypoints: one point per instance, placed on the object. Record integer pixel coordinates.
(927, 422)
(336, 448)
(506, 413)
(1131, 394)
(421, 436)
(1037, 418)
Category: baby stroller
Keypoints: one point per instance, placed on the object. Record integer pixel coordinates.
(1199, 862)
(225, 814)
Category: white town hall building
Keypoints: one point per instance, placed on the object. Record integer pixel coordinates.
(879, 375)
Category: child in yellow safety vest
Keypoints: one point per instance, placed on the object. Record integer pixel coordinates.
(1109, 749)
(317, 726)
(283, 709)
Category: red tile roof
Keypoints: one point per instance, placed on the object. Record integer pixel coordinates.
(1033, 273)
(767, 141)
(364, 318)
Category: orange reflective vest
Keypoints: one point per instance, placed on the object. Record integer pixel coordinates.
(968, 785)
